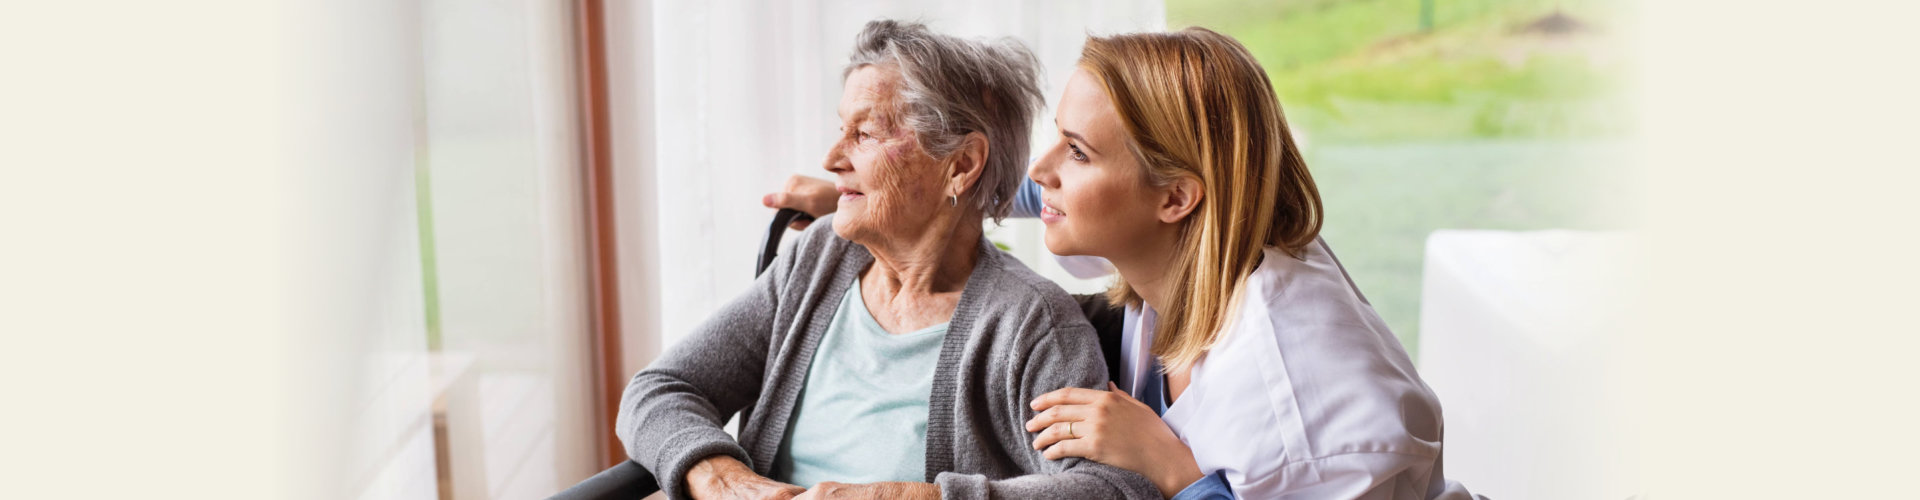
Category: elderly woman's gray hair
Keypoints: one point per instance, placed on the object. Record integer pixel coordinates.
(953, 86)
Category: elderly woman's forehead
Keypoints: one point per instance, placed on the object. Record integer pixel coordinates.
(866, 87)
(875, 76)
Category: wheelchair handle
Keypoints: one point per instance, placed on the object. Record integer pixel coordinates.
(770, 245)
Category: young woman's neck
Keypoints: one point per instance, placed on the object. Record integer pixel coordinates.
(1148, 267)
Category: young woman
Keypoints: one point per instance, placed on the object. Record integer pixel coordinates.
(1247, 348)
(1251, 365)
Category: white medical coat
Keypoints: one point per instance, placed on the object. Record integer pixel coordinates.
(1306, 395)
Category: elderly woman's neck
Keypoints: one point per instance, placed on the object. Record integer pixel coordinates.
(938, 258)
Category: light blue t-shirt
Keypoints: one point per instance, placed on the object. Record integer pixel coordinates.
(862, 417)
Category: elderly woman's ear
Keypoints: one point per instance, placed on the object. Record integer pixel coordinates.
(965, 164)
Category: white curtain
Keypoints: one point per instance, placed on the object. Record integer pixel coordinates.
(742, 94)
(501, 153)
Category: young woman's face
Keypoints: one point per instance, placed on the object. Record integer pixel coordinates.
(1098, 201)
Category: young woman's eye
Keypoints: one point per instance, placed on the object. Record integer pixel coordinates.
(1073, 151)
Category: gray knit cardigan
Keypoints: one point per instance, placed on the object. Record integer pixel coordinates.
(1013, 337)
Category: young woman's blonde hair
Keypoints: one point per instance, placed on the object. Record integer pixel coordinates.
(1197, 105)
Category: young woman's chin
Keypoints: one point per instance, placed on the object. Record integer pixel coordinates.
(1060, 242)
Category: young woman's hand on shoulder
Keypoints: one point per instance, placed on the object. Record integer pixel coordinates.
(1112, 428)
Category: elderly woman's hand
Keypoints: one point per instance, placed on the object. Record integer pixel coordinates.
(814, 196)
(725, 478)
(875, 491)
(1112, 428)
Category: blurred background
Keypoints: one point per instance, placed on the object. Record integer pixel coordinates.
(413, 249)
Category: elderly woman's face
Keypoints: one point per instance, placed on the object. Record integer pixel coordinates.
(888, 186)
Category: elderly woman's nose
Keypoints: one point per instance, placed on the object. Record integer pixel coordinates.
(837, 159)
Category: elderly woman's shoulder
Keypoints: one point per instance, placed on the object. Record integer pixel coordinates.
(1018, 287)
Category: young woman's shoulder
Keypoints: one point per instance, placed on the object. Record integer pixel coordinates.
(1329, 361)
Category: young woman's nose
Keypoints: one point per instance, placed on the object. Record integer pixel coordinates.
(1042, 169)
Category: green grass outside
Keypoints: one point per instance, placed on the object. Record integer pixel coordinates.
(1365, 70)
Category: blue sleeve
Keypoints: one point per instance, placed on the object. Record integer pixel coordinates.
(1212, 487)
(1026, 202)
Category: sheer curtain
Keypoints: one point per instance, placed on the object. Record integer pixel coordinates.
(473, 382)
(742, 94)
(504, 253)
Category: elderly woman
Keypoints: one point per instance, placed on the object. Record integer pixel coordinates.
(894, 346)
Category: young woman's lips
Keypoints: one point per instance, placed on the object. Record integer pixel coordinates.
(1049, 215)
